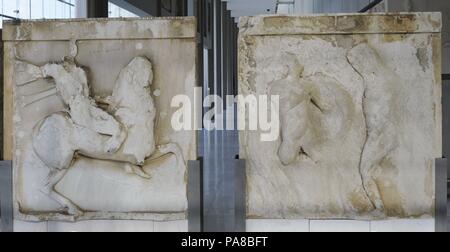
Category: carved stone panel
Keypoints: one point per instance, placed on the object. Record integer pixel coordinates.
(88, 117)
(360, 115)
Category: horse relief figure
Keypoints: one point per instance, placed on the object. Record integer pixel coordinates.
(122, 130)
(313, 110)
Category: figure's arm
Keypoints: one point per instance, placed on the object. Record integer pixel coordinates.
(67, 86)
(83, 110)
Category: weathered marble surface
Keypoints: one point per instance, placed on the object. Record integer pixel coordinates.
(87, 105)
(360, 113)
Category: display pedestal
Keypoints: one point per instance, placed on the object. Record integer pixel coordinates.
(195, 196)
(441, 195)
(441, 216)
(240, 210)
(6, 196)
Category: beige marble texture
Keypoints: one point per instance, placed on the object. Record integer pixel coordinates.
(88, 117)
(360, 114)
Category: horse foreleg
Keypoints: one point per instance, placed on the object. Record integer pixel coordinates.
(53, 179)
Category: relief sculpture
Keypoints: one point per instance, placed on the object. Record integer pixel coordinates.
(123, 132)
(88, 114)
(360, 115)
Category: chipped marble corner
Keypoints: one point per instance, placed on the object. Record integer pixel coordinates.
(121, 160)
(359, 135)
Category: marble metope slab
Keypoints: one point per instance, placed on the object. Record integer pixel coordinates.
(88, 117)
(360, 115)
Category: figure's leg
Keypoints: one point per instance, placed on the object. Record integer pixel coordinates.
(161, 151)
(85, 114)
(293, 129)
(136, 170)
(171, 148)
(91, 144)
(49, 189)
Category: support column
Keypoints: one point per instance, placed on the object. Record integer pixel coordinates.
(217, 41)
(224, 50)
(6, 197)
(229, 89)
(97, 8)
(208, 44)
(195, 8)
(441, 216)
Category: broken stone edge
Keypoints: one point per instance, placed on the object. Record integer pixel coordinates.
(89, 216)
(363, 23)
(101, 29)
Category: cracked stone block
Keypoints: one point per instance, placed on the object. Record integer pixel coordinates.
(88, 118)
(359, 110)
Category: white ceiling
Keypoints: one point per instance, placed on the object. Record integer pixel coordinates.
(241, 8)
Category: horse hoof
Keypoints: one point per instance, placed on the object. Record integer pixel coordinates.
(74, 212)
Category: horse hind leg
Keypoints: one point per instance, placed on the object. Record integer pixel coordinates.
(53, 129)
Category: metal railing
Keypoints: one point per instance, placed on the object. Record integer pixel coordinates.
(370, 6)
(65, 2)
(18, 9)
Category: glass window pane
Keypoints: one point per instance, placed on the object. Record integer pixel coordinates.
(116, 11)
(58, 9)
(73, 9)
(38, 9)
(49, 9)
(23, 8)
(9, 8)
